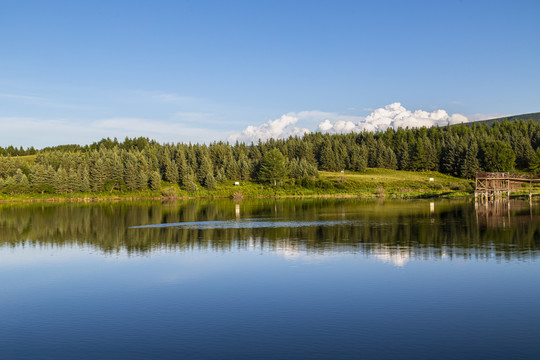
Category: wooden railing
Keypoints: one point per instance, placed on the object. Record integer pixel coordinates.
(507, 176)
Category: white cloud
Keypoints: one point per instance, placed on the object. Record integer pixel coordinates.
(277, 129)
(393, 115)
(396, 116)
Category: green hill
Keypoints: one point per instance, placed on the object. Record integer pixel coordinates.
(526, 117)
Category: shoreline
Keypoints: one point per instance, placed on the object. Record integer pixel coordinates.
(415, 195)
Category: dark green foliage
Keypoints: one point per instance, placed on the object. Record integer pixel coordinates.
(20, 178)
(534, 165)
(420, 161)
(300, 169)
(171, 171)
(98, 174)
(189, 180)
(403, 157)
(358, 158)
(470, 164)
(155, 180)
(273, 167)
(498, 156)
(327, 158)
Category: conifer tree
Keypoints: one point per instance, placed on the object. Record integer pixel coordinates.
(188, 180)
(371, 145)
(246, 167)
(206, 172)
(84, 177)
(327, 157)
(38, 175)
(181, 164)
(97, 174)
(498, 156)
(402, 155)
(273, 167)
(359, 158)
(470, 165)
(450, 156)
(171, 172)
(155, 180)
(419, 159)
(20, 178)
(534, 165)
(60, 181)
(131, 176)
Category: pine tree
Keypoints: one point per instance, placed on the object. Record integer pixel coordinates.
(37, 175)
(419, 159)
(73, 181)
(131, 176)
(498, 156)
(84, 177)
(450, 157)
(534, 165)
(431, 155)
(155, 180)
(210, 182)
(359, 158)
(273, 167)
(21, 179)
(188, 180)
(403, 157)
(142, 172)
(246, 167)
(206, 172)
(171, 172)
(371, 146)
(97, 175)
(390, 159)
(327, 157)
(470, 165)
(181, 164)
(60, 181)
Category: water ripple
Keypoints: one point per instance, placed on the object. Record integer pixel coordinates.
(247, 224)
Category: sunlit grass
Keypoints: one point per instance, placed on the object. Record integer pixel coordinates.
(371, 183)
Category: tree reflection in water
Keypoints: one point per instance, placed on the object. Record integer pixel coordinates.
(391, 231)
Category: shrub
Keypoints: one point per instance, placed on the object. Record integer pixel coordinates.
(169, 192)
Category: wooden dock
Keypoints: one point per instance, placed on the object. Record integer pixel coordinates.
(492, 185)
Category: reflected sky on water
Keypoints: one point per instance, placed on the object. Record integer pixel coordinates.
(288, 279)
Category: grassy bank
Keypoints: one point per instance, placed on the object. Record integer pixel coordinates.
(372, 183)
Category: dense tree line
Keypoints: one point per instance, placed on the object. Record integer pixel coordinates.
(138, 164)
(14, 151)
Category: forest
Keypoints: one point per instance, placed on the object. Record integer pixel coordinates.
(140, 164)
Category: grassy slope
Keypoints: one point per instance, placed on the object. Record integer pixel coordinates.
(526, 117)
(372, 183)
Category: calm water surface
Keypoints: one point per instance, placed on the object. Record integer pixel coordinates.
(262, 279)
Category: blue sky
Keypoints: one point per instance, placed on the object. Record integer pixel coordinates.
(179, 71)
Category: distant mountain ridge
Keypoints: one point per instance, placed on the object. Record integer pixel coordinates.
(526, 117)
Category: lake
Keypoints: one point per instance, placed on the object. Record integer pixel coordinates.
(265, 279)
